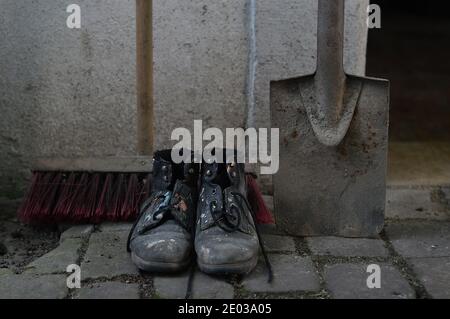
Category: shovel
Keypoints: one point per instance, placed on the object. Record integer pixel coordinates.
(333, 143)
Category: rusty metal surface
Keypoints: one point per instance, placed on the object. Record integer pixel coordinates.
(334, 137)
(331, 190)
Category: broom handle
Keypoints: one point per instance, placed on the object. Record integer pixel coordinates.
(144, 70)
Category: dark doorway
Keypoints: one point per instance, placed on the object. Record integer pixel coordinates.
(412, 50)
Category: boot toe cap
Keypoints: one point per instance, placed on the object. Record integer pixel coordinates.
(163, 248)
(226, 249)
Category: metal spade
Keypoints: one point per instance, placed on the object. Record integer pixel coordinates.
(334, 137)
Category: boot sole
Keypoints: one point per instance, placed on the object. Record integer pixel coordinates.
(160, 267)
(241, 268)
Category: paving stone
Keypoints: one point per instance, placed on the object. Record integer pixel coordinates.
(414, 204)
(434, 273)
(269, 229)
(115, 227)
(446, 191)
(171, 287)
(79, 231)
(203, 287)
(8, 208)
(206, 287)
(347, 247)
(446, 199)
(3, 249)
(274, 243)
(33, 287)
(6, 272)
(56, 261)
(420, 238)
(107, 256)
(109, 290)
(291, 273)
(349, 281)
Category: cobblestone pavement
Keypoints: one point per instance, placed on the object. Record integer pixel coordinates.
(413, 254)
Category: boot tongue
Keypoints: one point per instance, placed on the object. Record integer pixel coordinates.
(154, 211)
(163, 206)
(216, 173)
(182, 204)
(224, 208)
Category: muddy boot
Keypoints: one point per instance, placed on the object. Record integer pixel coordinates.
(226, 239)
(162, 238)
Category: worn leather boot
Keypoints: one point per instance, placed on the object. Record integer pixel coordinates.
(162, 238)
(226, 238)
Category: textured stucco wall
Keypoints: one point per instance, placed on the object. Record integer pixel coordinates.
(64, 92)
(201, 56)
(72, 92)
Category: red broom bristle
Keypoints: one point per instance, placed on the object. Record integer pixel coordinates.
(34, 196)
(129, 203)
(67, 187)
(117, 199)
(262, 212)
(85, 204)
(76, 196)
(92, 196)
(84, 197)
(24, 211)
(43, 189)
(49, 202)
(105, 197)
(143, 194)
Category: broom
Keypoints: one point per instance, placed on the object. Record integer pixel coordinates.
(94, 190)
(113, 192)
(101, 189)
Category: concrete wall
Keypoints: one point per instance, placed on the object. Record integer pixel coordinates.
(64, 92)
(72, 92)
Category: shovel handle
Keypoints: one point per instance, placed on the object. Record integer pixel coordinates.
(329, 105)
(144, 70)
(330, 38)
(330, 78)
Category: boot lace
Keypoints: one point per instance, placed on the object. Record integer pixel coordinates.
(230, 221)
(161, 215)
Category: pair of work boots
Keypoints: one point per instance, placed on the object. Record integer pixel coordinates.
(196, 210)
